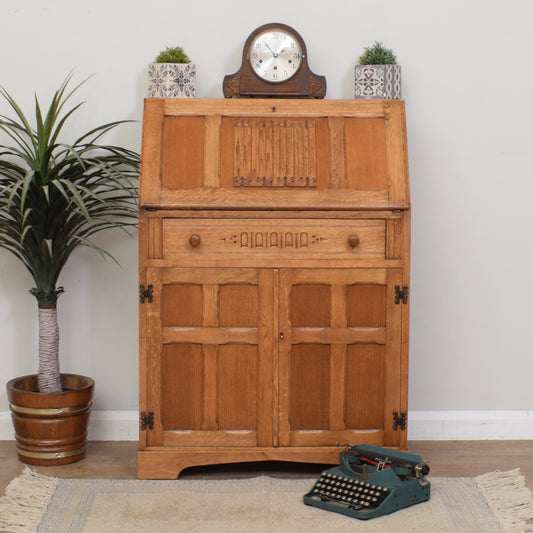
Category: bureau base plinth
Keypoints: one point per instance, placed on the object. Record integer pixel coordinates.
(168, 463)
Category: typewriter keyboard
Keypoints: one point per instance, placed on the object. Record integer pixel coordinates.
(348, 492)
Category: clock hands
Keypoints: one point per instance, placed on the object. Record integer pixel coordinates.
(276, 54)
(272, 51)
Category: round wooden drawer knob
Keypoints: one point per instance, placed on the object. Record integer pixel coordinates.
(194, 240)
(353, 241)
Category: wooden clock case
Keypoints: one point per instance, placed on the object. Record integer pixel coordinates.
(245, 81)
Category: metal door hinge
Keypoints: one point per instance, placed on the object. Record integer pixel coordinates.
(146, 293)
(401, 294)
(147, 420)
(399, 420)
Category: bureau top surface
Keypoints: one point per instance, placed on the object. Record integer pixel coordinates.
(274, 154)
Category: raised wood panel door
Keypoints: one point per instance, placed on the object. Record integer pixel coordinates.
(210, 357)
(339, 356)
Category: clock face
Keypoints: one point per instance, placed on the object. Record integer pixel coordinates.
(275, 55)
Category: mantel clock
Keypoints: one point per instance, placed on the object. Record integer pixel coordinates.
(274, 64)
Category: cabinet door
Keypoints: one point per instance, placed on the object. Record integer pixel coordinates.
(339, 356)
(209, 357)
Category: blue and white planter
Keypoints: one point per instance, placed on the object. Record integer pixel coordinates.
(172, 80)
(378, 82)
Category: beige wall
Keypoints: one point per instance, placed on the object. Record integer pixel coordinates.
(467, 86)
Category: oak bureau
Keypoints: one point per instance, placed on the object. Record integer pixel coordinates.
(274, 271)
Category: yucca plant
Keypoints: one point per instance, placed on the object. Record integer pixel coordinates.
(54, 196)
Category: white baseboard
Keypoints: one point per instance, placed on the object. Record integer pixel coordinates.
(422, 425)
(6, 428)
(114, 425)
(470, 425)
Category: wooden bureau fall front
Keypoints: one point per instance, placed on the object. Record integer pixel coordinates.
(274, 269)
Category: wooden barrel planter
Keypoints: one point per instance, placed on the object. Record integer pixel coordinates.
(50, 429)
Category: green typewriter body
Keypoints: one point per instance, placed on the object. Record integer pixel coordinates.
(371, 481)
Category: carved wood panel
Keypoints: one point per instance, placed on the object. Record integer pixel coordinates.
(277, 152)
(210, 153)
(281, 237)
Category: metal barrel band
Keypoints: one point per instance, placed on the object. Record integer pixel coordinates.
(50, 455)
(50, 412)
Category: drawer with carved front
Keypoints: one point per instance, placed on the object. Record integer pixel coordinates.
(284, 238)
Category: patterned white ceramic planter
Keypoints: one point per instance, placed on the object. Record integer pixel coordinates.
(378, 81)
(171, 80)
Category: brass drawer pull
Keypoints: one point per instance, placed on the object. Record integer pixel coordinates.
(194, 240)
(353, 241)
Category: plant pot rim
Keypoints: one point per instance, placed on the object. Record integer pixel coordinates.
(85, 383)
(155, 63)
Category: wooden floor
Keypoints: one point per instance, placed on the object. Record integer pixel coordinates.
(117, 460)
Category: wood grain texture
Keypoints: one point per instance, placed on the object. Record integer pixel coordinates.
(367, 167)
(183, 386)
(274, 233)
(149, 186)
(277, 238)
(283, 154)
(183, 145)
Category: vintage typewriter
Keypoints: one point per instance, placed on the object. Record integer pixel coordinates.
(371, 481)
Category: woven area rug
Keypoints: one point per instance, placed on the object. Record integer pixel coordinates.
(494, 502)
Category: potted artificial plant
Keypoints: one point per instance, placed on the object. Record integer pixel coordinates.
(54, 196)
(172, 75)
(378, 76)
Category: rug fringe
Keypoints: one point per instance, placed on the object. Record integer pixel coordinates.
(25, 502)
(510, 497)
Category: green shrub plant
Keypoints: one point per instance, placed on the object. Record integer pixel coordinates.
(173, 55)
(377, 54)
